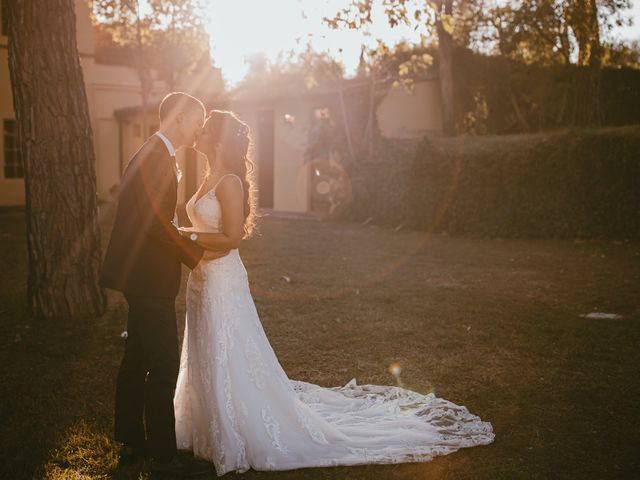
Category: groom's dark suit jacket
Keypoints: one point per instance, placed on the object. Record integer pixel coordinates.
(145, 250)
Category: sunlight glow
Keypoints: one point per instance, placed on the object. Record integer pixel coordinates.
(241, 28)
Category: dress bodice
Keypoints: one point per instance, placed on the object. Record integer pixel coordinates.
(205, 213)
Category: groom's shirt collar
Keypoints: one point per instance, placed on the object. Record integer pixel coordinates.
(167, 142)
(172, 152)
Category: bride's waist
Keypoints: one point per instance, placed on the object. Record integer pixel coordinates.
(211, 265)
(214, 256)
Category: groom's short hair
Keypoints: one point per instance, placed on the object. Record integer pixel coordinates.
(177, 102)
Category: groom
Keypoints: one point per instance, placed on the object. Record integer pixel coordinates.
(143, 262)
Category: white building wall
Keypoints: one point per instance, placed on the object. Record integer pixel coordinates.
(11, 189)
(400, 115)
(108, 89)
(291, 174)
(406, 115)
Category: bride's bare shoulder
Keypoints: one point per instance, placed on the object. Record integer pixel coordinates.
(229, 184)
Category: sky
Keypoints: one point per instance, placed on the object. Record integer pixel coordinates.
(240, 28)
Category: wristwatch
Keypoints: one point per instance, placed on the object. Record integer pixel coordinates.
(193, 237)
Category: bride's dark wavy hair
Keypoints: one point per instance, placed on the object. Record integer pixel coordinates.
(234, 137)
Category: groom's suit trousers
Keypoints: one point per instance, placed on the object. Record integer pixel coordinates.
(147, 377)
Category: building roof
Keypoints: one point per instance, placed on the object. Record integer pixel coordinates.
(295, 86)
(205, 84)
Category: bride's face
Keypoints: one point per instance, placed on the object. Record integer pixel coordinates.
(205, 142)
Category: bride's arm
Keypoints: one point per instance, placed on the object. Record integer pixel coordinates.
(229, 193)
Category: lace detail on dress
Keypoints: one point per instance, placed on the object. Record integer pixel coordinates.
(236, 406)
(303, 418)
(256, 367)
(270, 464)
(273, 430)
(226, 345)
(245, 412)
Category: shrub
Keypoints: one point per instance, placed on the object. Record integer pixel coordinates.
(576, 183)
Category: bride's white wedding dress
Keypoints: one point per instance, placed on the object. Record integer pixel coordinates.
(236, 407)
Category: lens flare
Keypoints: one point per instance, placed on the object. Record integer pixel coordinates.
(395, 370)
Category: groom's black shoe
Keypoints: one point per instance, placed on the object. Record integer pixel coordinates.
(181, 466)
(129, 455)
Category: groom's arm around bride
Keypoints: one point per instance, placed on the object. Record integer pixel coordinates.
(146, 249)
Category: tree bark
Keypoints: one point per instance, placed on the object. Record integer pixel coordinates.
(55, 139)
(345, 122)
(580, 29)
(445, 69)
(371, 113)
(142, 73)
(595, 65)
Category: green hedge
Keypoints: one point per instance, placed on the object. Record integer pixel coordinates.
(579, 183)
(548, 97)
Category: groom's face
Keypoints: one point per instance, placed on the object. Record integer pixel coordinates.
(191, 125)
(204, 140)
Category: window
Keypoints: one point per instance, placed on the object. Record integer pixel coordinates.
(4, 17)
(12, 159)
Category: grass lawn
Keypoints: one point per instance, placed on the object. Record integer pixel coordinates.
(491, 324)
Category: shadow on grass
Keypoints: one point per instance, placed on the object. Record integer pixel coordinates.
(56, 393)
(490, 324)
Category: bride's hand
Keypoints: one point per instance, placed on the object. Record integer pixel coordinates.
(186, 231)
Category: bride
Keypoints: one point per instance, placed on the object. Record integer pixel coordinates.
(234, 404)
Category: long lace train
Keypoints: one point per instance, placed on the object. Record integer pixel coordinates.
(236, 406)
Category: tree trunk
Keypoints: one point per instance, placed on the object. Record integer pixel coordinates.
(583, 19)
(595, 65)
(142, 73)
(370, 113)
(580, 30)
(55, 135)
(445, 70)
(565, 43)
(595, 50)
(345, 122)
